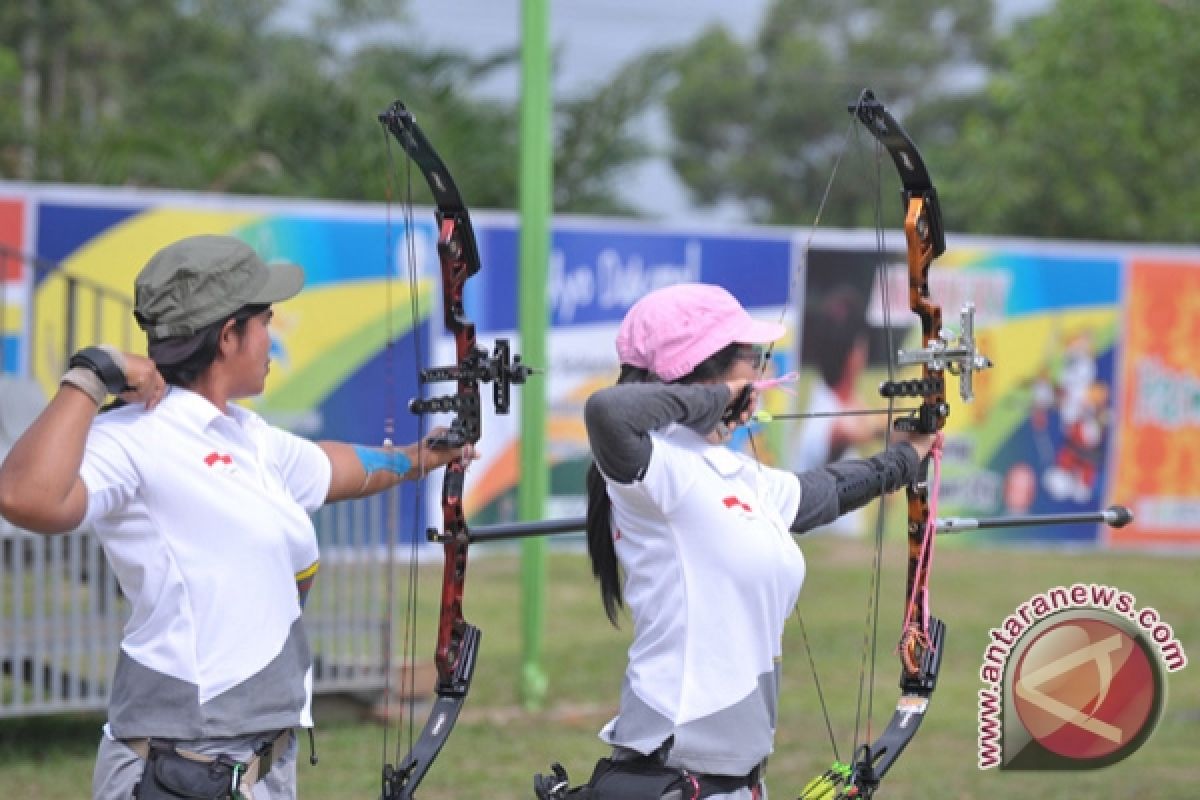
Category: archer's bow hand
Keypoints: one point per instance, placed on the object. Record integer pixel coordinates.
(431, 453)
(921, 442)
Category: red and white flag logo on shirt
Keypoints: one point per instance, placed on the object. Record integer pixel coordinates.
(213, 458)
(733, 502)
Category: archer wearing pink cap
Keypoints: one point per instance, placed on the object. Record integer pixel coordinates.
(695, 538)
(670, 331)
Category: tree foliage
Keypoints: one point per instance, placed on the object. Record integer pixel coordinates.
(1073, 124)
(762, 124)
(1087, 132)
(217, 95)
(597, 140)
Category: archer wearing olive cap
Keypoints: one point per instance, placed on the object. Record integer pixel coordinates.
(201, 280)
(204, 509)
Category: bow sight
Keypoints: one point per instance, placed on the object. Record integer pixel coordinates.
(956, 354)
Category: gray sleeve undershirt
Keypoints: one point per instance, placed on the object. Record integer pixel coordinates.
(620, 418)
(830, 491)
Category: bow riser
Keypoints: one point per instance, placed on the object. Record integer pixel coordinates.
(922, 640)
(922, 248)
(465, 429)
(457, 640)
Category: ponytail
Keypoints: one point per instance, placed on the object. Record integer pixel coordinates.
(600, 544)
(599, 522)
(599, 508)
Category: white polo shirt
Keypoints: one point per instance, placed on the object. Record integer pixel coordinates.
(204, 519)
(711, 574)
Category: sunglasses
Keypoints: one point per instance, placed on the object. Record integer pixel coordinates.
(756, 355)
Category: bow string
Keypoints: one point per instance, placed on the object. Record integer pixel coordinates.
(923, 635)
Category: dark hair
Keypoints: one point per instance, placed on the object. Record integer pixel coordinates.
(186, 371)
(601, 551)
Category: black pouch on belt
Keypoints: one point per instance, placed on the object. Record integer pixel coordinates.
(641, 779)
(170, 776)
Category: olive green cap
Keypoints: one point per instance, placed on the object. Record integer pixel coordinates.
(202, 279)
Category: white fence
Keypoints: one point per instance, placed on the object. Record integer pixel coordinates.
(61, 614)
(61, 610)
(60, 622)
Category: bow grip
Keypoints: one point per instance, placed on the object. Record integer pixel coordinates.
(929, 418)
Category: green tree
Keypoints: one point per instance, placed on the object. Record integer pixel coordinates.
(117, 91)
(217, 95)
(762, 125)
(1088, 132)
(319, 137)
(598, 138)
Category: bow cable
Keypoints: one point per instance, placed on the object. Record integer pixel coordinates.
(762, 369)
(408, 648)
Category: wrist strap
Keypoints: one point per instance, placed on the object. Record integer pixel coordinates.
(106, 362)
(87, 382)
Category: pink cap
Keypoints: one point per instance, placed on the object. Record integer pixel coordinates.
(671, 330)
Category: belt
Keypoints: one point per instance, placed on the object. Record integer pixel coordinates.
(723, 784)
(704, 784)
(266, 755)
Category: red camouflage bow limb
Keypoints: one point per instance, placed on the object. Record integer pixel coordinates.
(457, 640)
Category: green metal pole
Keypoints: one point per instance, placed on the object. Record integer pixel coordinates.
(536, 181)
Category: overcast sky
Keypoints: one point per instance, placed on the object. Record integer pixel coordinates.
(592, 38)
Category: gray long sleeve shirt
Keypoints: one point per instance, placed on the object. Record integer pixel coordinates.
(620, 418)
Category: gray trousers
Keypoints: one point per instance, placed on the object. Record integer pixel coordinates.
(118, 769)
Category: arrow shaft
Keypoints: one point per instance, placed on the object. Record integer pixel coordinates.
(1116, 516)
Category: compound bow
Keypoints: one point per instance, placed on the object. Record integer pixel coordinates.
(457, 639)
(923, 637)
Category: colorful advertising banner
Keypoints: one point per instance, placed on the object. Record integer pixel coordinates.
(1035, 437)
(1158, 472)
(13, 295)
(1091, 400)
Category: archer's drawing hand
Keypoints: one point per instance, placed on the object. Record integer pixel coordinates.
(146, 384)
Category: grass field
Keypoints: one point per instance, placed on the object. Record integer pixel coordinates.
(497, 746)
